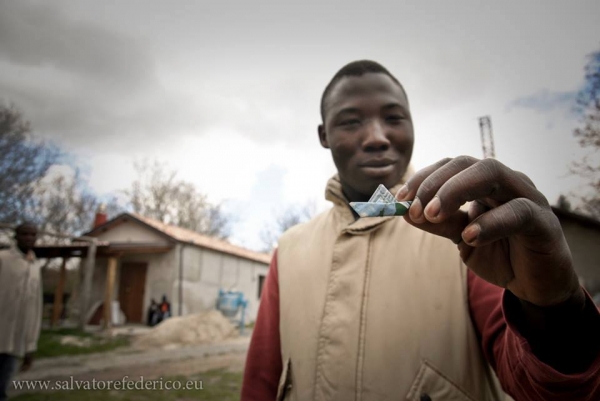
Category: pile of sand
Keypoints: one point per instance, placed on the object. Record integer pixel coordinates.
(76, 341)
(200, 328)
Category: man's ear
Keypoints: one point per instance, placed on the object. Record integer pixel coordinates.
(323, 136)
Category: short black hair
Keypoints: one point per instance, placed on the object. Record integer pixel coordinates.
(26, 223)
(356, 69)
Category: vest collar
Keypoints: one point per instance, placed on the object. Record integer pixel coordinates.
(341, 206)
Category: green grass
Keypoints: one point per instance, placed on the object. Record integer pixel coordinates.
(49, 343)
(217, 385)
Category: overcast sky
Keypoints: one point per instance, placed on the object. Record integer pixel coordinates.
(227, 93)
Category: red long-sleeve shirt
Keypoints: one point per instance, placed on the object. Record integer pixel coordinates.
(522, 374)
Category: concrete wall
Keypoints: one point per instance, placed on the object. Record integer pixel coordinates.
(98, 282)
(584, 242)
(206, 271)
(160, 275)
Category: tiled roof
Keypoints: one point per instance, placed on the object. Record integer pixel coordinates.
(194, 238)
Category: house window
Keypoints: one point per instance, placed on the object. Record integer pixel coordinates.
(261, 281)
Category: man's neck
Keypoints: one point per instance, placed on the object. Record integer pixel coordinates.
(354, 196)
(23, 250)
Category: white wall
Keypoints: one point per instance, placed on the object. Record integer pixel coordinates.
(160, 275)
(98, 281)
(206, 271)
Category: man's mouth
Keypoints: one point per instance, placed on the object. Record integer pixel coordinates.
(378, 167)
(378, 163)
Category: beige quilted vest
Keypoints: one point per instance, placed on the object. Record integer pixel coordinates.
(375, 310)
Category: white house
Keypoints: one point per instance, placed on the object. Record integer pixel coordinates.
(156, 259)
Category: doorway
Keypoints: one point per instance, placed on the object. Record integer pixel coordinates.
(132, 286)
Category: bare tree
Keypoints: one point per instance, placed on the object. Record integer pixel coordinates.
(23, 162)
(284, 220)
(158, 193)
(588, 134)
(63, 203)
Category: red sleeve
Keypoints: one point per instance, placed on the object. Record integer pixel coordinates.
(263, 362)
(521, 373)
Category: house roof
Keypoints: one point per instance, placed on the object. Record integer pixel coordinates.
(584, 220)
(183, 235)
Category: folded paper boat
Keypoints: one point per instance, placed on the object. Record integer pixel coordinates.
(382, 203)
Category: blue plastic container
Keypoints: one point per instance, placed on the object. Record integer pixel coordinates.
(230, 303)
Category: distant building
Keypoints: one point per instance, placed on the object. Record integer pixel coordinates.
(583, 235)
(156, 259)
(189, 268)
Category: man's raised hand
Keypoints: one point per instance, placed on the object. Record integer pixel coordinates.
(509, 236)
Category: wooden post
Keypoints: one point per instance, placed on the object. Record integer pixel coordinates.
(111, 272)
(58, 293)
(85, 289)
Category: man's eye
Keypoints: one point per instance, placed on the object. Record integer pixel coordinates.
(394, 118)
(350, 122)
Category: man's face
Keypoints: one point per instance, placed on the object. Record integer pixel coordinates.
(26, 237)
(369, 130)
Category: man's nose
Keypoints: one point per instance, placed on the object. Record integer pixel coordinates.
(375, 137)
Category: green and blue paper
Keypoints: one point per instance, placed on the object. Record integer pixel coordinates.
(382, 203)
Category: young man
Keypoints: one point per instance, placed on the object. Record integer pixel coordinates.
(20, 304)
(420, 307)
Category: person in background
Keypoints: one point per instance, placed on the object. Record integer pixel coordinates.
(20, 304)
(424, 307)
(153, 312)
(165, 309)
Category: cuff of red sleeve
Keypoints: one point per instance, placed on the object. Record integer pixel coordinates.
(544, 374)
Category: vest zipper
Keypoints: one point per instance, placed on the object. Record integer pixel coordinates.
(363, 321)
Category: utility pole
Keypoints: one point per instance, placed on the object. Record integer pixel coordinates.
(487, 139)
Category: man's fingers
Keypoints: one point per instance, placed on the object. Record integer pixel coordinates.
(430, 180)
(409, 190)
(517, 216)
(476, 209)
(439, 190)
(451, 229)
(487, 180)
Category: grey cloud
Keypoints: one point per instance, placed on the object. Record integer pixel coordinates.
(42, 34)
(277, 113)
(138, 73)
(84, 84)
(91, 117)
(546, 101)
(95, 84)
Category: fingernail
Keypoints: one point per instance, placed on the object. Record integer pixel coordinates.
(416, 211)
(433, 208)
(402, 192)
(471, 233)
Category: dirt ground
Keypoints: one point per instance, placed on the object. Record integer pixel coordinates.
(186, 367)
(183, 362)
